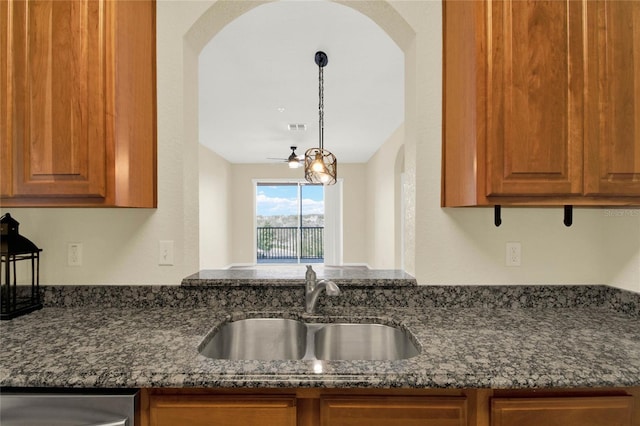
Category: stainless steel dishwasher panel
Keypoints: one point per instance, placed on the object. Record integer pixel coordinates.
(68, 408)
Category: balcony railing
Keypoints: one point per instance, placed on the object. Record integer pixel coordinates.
(290, 243)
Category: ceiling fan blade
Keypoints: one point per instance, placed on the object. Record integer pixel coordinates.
(300, 158)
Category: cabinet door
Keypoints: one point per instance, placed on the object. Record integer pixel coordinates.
(229, 410)
(613, 126)
(535, 97)
(5, 132)
(390, 411)
(582, 411)
(55, 82)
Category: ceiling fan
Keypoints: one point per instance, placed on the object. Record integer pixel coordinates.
(294, 160)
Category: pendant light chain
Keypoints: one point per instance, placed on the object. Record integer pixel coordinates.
(321, 105)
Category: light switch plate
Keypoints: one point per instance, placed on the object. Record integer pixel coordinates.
(165, 254)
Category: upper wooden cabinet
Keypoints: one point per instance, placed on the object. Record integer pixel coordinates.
(541, 103)
(612, 130)
(78, 114)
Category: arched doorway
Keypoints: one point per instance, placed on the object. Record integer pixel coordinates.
(221, 14)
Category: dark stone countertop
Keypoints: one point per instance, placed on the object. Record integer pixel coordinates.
(283, 275)
(553, 337)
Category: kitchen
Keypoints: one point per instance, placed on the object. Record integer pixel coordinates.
(442, 246)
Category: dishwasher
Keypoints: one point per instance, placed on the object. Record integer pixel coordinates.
(67, 407)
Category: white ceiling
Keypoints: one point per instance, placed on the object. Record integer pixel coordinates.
(258, 75)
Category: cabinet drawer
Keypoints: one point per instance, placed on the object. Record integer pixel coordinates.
(222, 410)
(569, 411)
(393, 411)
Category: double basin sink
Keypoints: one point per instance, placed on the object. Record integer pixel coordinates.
(289, 339)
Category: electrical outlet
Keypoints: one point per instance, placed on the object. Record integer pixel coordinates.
(165, 254)
(514, 254)
(74, 254)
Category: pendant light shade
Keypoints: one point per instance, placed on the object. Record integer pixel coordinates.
(320, 165)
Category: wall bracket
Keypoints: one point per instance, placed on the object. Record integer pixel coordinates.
(497, 217)
(568, 215)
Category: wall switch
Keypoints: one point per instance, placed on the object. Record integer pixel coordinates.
(514, 254)
(74, 254)
(166, 252)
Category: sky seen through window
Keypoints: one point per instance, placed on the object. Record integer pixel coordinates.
(282, 199)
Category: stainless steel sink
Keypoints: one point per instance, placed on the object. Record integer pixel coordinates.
(258, 338)
(282, 339)
(363, 341)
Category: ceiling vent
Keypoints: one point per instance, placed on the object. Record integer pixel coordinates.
(294, 126)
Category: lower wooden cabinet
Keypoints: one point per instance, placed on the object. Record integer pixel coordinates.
(390, 407)
(393, 411)
(562, 411)
(222, 410)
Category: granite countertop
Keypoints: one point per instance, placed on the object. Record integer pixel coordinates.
(461, 347)
(282, 275)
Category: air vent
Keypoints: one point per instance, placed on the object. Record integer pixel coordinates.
(295, 127)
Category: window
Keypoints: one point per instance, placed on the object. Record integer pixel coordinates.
(289, 222)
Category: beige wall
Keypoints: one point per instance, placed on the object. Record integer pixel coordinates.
(355, 238)
(243, 208)
(214, 216)
(621, 232)
(443, 246)
(383, 210)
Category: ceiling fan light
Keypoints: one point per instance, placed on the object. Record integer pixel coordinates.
(294, 164)
(293, 161)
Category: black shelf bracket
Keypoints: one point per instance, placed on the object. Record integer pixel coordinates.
(568, 215)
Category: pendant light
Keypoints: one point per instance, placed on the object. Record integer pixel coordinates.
(320, 165)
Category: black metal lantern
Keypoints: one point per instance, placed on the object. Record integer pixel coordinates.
(16, 248)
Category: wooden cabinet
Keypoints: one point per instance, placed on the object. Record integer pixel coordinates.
(394, 410)
(78, 113)
(534, 98)
(612, 132)
(541, 103)
(563, 411)
(221, 410)
(389, 407)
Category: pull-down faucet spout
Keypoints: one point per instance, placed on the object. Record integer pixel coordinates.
(313, 288)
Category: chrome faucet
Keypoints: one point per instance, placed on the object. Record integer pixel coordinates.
(313, 288)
